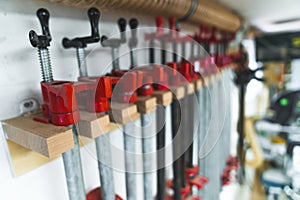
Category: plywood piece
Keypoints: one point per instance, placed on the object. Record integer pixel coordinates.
(206, 80)
(189, 88)
(92, 125)
(198, 84)
(146, 104)
(24, 160)
(46, 139)
(123, 113)
(163, 98)
(178, 92)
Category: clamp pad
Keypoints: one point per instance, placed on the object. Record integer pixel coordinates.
(92, 125)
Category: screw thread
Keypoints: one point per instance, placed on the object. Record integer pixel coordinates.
(45, 63)
(81, 62)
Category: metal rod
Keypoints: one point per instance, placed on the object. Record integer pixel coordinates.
(240, 148)
(176, 120)
(201, 129)
(102, 145)
(115, 58)
(45, 63)
(174, 47)
(184, 127)
(73, 170)
(190, 131)
(163, 52)
(147, 149)
(80, 52)
(151, 52)
(160, 143)
(129, 147)
(104, 165)
(133, 62)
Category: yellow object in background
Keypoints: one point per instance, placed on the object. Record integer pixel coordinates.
(274, 73)
(277, 140)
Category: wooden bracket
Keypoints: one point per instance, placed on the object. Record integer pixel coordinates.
(92, 125)
(163, 98)
(189, 88)
(199, 83)
(46, 139)
(123, 113)
(146, 104)
(178, 92)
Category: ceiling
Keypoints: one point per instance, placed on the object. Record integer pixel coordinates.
(268, 15)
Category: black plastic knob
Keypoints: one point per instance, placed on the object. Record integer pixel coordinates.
(122, 27)
(41, 41)
(44, 17)
(94, 15)
(133, 23)
(81, 42)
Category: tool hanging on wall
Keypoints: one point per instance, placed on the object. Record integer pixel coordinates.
(187, 69)
(145, 91)
(102, 142)
(160, 119)
(57, 112)
(243, 76)
(131, 97)
(160, 85)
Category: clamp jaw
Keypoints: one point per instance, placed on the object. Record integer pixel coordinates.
(59, 102)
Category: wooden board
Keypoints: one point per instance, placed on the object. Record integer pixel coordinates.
(24, 160)
(46, 139)
(123, 113)
(178, 92)
(206, 80)
(189, 88)
(198, 84)
(93, 125)
(146, 104)
(163, 97)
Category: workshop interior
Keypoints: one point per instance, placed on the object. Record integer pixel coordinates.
(149, 100)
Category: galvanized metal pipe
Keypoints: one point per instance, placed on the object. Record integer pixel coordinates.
(160, 143)
(201, 129)
(176, 120)
(80, 52)
(130, 161)
(147, 143)
(105, 168)
(73, 170)
(115, 58)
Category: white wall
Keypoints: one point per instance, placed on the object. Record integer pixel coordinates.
(20, 77)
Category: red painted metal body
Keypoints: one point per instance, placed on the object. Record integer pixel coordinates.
(59, 103)
(62, 100)
(95, 194)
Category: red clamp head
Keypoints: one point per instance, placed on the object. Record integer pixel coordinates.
(160, 78)
(59, 103)
(175, 78)
(185, 70)
(145, 81)
(126, 88)
(96, 194)
(93, 93)
(159, 25)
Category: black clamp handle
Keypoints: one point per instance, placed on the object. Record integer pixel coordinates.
(81, 42)
(114, 42)
(41, 41)
(133, 24)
